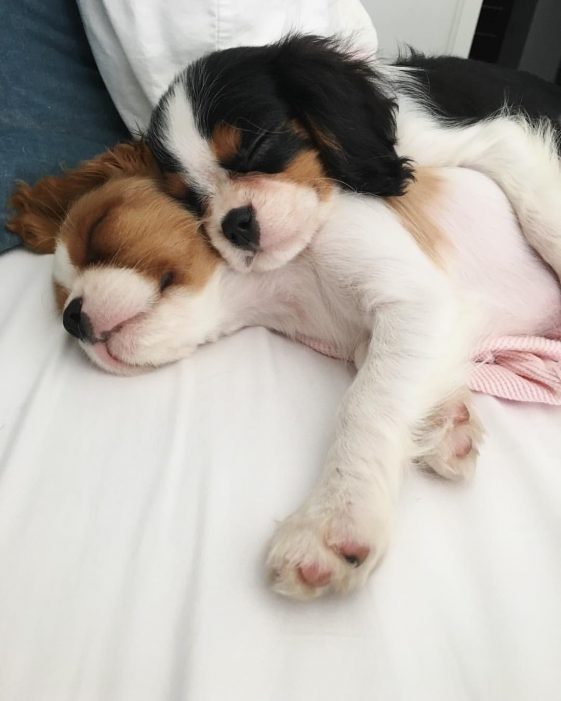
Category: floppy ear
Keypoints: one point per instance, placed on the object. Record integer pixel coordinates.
(339, 99)
(41, 209)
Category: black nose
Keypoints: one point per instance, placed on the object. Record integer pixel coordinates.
(240, 227)
(76, 322)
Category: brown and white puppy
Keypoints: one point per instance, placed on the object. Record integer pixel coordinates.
(129, 260)
(405, 287)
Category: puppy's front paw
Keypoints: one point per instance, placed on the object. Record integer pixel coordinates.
(320, 549)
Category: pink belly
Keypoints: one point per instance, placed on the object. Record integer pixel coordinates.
(515, 291)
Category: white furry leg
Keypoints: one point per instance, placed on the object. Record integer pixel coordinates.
(338, 537)
(335, 540)
(415, 357)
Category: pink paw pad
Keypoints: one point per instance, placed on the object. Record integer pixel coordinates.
(314, 576)
(463, 447)
(353, 553)
(460, 414)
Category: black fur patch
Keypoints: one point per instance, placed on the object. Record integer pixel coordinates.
(336, 98)
(194, 202)
(345, 107)
(466, 91)
(343, 104)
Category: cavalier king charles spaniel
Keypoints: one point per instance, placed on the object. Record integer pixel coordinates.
(258, 138)
(285, 186)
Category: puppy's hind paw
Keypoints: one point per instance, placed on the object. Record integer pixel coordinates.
(454, 454)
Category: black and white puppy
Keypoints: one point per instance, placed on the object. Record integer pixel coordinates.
(267, 147)
(258, 137)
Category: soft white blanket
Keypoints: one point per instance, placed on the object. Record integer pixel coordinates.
(134, 514)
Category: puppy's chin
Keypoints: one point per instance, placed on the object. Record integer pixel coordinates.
(286, 215)
(101, 356)
(262, 259)
(278, 244)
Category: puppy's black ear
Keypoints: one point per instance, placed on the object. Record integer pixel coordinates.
(339, 100)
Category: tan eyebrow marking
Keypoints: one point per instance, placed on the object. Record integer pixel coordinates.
(306, 169)
(225, 141)
(322, 136)
(61, 295)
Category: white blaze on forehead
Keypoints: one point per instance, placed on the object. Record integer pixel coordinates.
(184, 141)
(64, 271)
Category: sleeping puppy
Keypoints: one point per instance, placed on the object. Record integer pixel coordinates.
(403, 286)
(258, 138)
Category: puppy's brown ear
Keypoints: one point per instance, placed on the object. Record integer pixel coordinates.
(40, 210)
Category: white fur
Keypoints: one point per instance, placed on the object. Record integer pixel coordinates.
(349, 275)
(363, 287)
(522, 159)
(407, 305)
(135, 326)
(183, 139)
(113, 296)
(423, 324)
(64, 270)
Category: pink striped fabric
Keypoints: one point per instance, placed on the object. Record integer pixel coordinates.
(520, 368)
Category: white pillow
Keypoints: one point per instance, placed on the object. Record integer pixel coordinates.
(140, 45)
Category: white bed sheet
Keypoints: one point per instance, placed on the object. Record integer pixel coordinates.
(134, 515)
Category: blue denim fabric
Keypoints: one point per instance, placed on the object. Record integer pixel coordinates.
(54, 108)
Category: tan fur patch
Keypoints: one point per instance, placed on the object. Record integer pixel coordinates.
(130, 223)
(306, 169)
(416, 208)
(298, 129)
(111, 210)
(40, 209)
(174, 185)
(225, 142)
(325, 138)
(320, 136)
(61, 295)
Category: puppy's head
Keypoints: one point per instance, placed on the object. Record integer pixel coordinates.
(258, 138)
(133, 276)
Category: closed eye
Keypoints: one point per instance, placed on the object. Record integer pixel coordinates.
(90, 234)
(93, 252)
(166, 280)
(269, 152)
(257, 145)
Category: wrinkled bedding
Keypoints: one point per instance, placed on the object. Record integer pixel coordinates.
(134, 515)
